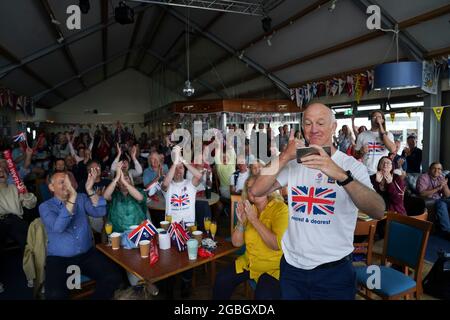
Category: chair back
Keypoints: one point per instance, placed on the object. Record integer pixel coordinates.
(235, 199)
(405, 242)
(367, 229)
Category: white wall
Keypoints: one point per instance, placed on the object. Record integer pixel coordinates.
(125, 97)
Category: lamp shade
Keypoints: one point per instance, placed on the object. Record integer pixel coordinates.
(398, 75)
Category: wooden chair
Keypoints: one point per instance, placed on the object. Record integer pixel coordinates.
(366, 229)
(405, 243)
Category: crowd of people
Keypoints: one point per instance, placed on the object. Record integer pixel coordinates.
(293, 249)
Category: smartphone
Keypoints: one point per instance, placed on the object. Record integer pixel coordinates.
(303, 152)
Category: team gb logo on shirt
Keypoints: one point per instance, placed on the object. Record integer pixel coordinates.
(318, 200)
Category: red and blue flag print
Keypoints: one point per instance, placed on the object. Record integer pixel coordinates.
(376, 147)
(145, 231)
(179, 201)
(317, 200)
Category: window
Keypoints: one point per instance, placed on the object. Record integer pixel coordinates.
(369, 107)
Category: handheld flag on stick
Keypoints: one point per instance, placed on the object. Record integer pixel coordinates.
(13, 172)
(145, 231)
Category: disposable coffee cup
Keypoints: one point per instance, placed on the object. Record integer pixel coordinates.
(192, 247)
(198, 235)
(165, 225)
(189, 226)
(115, 240)
(144, 247)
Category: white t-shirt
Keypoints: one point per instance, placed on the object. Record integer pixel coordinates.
(377, 149)
(322, 216)
(242, 177)
(202, 185)
(180, 201)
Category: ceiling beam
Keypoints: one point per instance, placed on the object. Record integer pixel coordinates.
(329, 50)
(182, 74)
(104, 17)
(192, 44)
(438, 53)
(8, 55)
(59, 35)
(286, 23)
(150, 36)
(137, 27)
(213, 38)
(42, 94)
(364, 38)
(69, 40)
(259, 93)
(170, 59)
(236, 81)
(340, 74)
(406, 41)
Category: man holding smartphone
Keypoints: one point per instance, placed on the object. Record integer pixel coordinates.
(324, 195)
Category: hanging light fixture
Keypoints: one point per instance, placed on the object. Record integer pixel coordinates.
(399, 74)
(188, 89)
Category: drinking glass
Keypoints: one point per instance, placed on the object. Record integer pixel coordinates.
(108, 231)
(207, 224)
(213, 228)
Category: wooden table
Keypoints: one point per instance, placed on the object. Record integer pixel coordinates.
(161, 203)
(171, 262)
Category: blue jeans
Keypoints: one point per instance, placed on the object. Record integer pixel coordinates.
(442, 214)
(334, 283)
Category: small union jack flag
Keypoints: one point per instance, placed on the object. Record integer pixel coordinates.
(311, 199)
(145, 231)
(376, 147)
(20, 137)
(179, 201)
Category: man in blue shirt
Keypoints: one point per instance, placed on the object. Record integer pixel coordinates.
(70, 238)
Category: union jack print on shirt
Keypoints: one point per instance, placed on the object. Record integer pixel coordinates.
(179, 201)
(376, 147)
(313, 199)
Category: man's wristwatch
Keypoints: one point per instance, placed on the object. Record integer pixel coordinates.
(346, 181)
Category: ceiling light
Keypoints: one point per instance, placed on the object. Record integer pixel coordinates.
(266, 24)
(332, 6)
(84, 6)
(124, 14)
(398, 75)
(188, 89)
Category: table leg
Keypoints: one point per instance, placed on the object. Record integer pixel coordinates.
(213, 272)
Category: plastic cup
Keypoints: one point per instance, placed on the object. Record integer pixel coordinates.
(189, 226)
(144, 247)
(165, 225)
(115, 240)
(192, 248)
(198, 235)
(160, 230)
(164, 241)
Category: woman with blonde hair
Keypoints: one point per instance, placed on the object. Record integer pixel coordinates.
(261, 224)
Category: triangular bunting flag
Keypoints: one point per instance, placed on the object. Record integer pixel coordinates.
(438, 112)
(392, 114)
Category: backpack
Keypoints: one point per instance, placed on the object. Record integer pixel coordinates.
(437, 282)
